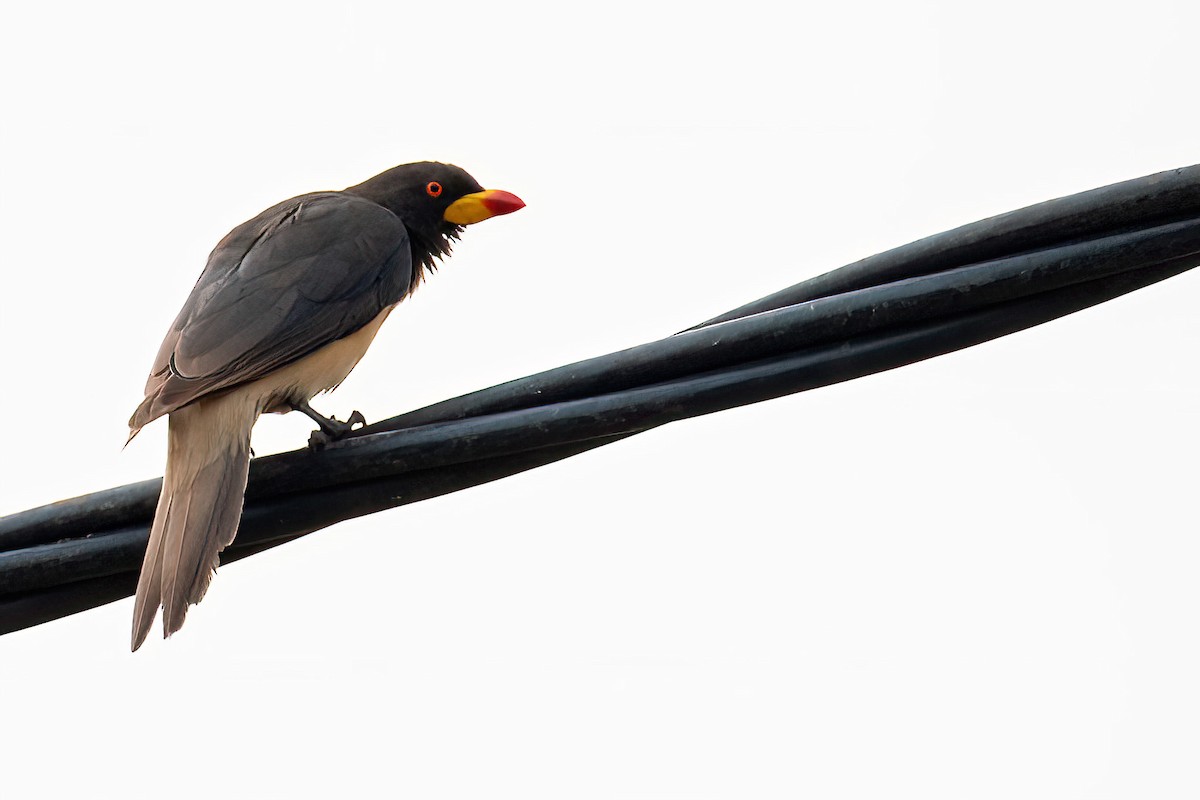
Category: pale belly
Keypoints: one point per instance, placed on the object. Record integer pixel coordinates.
(324, 369)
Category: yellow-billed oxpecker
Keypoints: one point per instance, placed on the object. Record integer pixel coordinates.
(286, 306)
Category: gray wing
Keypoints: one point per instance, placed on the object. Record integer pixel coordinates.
(298, 276)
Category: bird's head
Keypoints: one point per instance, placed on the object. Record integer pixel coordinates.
(434, 201)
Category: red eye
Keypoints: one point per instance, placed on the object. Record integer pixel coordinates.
(433, 189)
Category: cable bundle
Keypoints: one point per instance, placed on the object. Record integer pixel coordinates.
(934, 296)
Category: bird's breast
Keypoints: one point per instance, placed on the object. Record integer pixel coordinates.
(321, 370)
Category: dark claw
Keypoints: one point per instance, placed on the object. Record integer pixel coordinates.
(330, 428)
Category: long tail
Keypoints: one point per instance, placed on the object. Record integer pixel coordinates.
(208, 459)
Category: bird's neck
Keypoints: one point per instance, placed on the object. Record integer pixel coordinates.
(428, 248)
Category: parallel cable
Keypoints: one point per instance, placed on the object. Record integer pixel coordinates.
(931, 297)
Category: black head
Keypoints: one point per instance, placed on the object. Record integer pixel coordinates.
(434, 201)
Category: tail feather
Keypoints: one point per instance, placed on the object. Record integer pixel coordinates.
(211, 522)
(145, 606)
(208, 460)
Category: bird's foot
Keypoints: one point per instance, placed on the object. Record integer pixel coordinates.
(331, 429)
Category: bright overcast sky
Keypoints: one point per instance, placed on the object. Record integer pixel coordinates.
(972, 577)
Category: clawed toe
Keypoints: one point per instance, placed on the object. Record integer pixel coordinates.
(331, 429)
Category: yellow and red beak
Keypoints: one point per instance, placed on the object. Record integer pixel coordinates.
(472, 208)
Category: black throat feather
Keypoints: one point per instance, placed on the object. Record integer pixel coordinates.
(428, 251)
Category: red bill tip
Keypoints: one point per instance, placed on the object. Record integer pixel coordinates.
(500, 202)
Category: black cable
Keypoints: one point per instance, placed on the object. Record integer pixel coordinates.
(934, 296)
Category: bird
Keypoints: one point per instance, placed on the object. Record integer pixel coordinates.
(285, 307)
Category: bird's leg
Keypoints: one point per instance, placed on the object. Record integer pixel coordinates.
(330, 428)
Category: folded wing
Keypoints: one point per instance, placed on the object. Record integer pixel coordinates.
(300, 275)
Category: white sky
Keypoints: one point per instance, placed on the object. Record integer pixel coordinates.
(971, 577)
